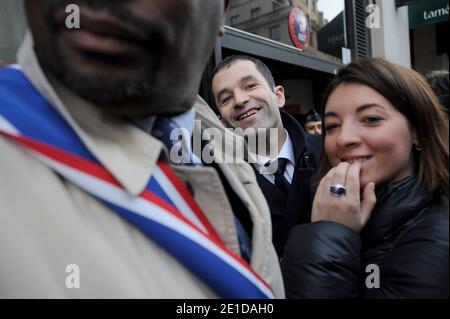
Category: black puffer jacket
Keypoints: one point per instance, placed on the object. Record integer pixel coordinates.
(406, 238)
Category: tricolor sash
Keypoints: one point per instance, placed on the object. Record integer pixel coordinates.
(165, 211)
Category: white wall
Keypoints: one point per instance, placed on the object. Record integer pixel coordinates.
(391, 41)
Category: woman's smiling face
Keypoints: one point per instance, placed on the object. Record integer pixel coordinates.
(361, 124)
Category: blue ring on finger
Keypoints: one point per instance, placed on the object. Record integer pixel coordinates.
(337, 190)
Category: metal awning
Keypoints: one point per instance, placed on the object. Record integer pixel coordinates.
(252, 44)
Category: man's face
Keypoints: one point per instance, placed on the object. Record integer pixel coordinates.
(131, 57)
(245, 99)
(313, 127)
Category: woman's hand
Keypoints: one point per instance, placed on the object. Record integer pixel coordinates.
(349, 209)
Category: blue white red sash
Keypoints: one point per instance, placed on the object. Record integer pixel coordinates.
(165, 211)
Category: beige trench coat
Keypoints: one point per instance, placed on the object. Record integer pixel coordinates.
(47, 223)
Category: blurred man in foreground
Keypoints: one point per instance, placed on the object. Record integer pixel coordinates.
(90, 206)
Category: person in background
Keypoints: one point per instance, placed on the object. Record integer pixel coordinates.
(439, 83)
(380, 215)
(247, 98)
(313, 123)
(91, 204)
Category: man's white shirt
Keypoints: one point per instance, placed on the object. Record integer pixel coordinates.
(287, 152)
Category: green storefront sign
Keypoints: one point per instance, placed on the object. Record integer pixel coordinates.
(427, 12)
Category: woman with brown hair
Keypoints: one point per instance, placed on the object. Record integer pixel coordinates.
(380, 214)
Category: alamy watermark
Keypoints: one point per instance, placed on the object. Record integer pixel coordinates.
(373, 19)
(231, 146)
(373, 279)
(73, 17)
(73, 277)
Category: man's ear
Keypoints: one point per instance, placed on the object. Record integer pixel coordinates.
(222, 30)
(279, 93)
(222, 27)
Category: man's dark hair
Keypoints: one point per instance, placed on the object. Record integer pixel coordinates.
(260, 66)
(312, 116)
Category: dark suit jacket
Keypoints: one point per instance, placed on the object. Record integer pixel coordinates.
(294, 208)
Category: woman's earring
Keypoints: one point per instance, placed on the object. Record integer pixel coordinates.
(417, 148)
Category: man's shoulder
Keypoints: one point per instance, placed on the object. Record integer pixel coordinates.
(314, 148)
(205, 114)
(233, 161)
(308, 144)
(22, 176)
(314, 142)
(15, 158)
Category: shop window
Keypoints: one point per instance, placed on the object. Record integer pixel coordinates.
(277, 5)
(254, 13)
(234, 20)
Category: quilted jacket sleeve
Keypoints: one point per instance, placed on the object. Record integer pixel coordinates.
(322, 260)
(417, 267)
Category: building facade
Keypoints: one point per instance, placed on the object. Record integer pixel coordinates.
(270, 19)
(409, 32)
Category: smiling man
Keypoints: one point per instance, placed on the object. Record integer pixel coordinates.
(247, 98)
(91, 207)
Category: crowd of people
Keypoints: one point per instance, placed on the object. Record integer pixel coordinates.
(352, 203)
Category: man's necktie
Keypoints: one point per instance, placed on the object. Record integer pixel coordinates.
(162, 129)
(280, 181)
